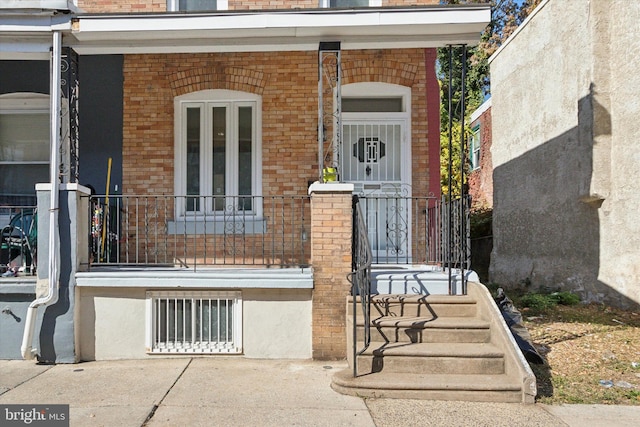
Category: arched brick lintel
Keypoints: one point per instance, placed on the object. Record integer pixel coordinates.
(230, 78)
(387, 71)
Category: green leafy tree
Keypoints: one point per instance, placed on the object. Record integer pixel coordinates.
(506, 16)
(456, 159)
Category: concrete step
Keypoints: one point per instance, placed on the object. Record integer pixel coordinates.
(431, 358)
(425, 330)
(436, 347)
(472, 388)
(420, 305)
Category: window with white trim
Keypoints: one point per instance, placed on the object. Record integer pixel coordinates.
(218, 154)
(474, 148)
(24, 146)
(195, 322)
(197, 5)
(350, 3)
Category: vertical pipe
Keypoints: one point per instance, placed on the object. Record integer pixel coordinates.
(54, 136)
(338, 112)
(320, 118)
(354, 243)
(450, 171)
(463, 233)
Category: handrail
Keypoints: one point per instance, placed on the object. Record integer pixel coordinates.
(360, 279)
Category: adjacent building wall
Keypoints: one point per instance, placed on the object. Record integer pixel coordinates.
(481, 179)
(565, 105)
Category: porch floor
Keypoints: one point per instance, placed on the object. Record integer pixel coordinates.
(418, 279)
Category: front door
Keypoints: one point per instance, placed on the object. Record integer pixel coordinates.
(374, 159)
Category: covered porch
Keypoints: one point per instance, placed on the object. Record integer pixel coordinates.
(273, 224)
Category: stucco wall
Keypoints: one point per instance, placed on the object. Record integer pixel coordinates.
(276, 323)
(563, 166)
(620, 235)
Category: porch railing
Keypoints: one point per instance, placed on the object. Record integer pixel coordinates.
(360, 279)
(193, 231)
(456, 234)
(415, 230)
(403, 230)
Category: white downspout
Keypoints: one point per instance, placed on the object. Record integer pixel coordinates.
(54, 136)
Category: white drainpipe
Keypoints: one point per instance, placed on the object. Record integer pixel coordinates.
(54, 135)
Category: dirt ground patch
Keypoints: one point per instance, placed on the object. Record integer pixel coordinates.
(592, 354)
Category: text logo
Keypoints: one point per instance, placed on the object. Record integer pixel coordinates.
(34, 415)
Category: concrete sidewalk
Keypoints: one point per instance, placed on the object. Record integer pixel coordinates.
(230, 391)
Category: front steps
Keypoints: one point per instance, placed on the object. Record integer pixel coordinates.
(437, 347)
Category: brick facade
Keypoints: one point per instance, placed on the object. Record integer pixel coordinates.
(331, 229)
(287, 82)
(127, 6)
(122, 6)
(481, 179)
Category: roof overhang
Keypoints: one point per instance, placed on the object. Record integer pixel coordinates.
(275, 30)
(26, 34)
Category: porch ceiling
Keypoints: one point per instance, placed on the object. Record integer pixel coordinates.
(302, 29)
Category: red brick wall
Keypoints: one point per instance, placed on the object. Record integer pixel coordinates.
(272, 4)
(331, 228)
(126, 6)
(481, 180)
(287, 82)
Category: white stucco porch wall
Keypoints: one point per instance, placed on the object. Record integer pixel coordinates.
(565, 107)
(276, 323)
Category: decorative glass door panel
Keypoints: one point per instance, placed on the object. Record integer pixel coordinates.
(372, 159)
(371, 152)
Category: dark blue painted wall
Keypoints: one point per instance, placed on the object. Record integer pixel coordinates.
(24, 76)
(101, 121)
(100, 112)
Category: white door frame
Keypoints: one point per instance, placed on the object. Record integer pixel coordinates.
(382, 90)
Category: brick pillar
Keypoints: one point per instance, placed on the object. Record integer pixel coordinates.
(331, 229)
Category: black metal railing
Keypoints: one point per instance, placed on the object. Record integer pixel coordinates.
(404, 230)
(416, 230)
(192, 231)
(456, 238)
(419, 230)
(360, 278)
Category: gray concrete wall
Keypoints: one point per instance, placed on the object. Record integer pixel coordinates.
(620, 236)
(564, 171)
(15, 296)
(54, 336)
